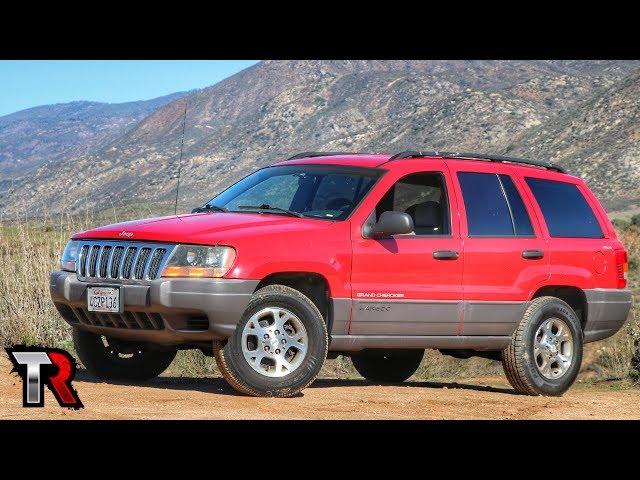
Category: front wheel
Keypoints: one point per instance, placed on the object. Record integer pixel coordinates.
(113, 359)
(545, 353)
(278, 346)
(387, 366)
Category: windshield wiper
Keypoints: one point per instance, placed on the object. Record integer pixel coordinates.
(264, 206)
(209, 208)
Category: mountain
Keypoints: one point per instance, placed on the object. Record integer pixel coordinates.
(598, 139)
(43, 135)
(276, 108)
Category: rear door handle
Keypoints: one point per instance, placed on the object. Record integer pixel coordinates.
(445, 255)
(533, 254)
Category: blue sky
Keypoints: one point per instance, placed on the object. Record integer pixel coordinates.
(25, 84)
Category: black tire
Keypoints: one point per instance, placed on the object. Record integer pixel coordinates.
(107, 362)
(242, 376)
(387, 366)
(518, 359)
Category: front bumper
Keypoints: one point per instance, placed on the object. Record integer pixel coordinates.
(607, 312)
(163, 311)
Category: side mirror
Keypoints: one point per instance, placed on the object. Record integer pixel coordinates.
(392, 223)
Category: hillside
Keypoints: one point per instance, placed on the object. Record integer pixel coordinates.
(598, 139)
(277, 108)
(45, 134)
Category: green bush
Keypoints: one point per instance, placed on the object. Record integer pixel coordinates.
(620, 224)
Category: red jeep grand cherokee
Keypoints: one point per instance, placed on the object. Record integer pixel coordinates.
(373, 256)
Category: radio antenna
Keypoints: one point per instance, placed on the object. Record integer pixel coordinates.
(184, 119)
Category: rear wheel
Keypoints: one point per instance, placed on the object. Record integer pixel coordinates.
(387, 366)
(545, 353)
(114, 359)
(278, 346)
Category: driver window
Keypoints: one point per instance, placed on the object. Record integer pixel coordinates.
(423, 196)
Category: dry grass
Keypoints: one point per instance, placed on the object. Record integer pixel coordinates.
(27, 256)
(612, 357)
(29, 251)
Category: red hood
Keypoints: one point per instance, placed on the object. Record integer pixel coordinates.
(202, 228)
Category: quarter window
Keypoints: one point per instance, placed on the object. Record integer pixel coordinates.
(565, 210)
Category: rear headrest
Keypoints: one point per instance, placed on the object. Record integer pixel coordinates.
(427, 214)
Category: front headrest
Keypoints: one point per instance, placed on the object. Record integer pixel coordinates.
(427, 214)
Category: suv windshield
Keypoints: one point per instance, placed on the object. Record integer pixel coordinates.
(318, 191)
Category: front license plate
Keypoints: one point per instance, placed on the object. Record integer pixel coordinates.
(103, 299)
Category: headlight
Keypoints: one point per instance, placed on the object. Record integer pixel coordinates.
(69, 256)
(195, 261)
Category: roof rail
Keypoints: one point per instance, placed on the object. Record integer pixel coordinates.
(477, 156)
(315, 154)
(414, 154)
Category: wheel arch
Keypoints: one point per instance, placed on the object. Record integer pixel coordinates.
(573, 296)
(312, 284)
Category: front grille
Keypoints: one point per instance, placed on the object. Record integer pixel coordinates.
(141, 263)
(93, 259)
(130, 320)
(103, 259)
(115, 262)
(156, 259)
(82, 260)
(128, 262)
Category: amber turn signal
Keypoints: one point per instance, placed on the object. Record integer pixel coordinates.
(199, 272)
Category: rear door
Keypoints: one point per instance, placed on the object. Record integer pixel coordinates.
(505, 253)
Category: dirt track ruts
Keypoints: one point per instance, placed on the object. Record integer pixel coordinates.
(212, 398)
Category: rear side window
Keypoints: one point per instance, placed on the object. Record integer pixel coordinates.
(494, 206)
(565, 209)
(521, 221)
(485, 204)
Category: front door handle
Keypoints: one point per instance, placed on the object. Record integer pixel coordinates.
(445, 255)
(533, 254)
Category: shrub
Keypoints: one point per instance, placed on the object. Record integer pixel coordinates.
(620, 224)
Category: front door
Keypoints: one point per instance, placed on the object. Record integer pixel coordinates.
(410, 284)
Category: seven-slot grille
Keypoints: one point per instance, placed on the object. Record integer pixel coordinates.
(122, 260)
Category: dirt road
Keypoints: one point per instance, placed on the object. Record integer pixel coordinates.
(211, 398)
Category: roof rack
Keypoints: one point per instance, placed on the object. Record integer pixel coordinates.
(477, 156)
(316, 154)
